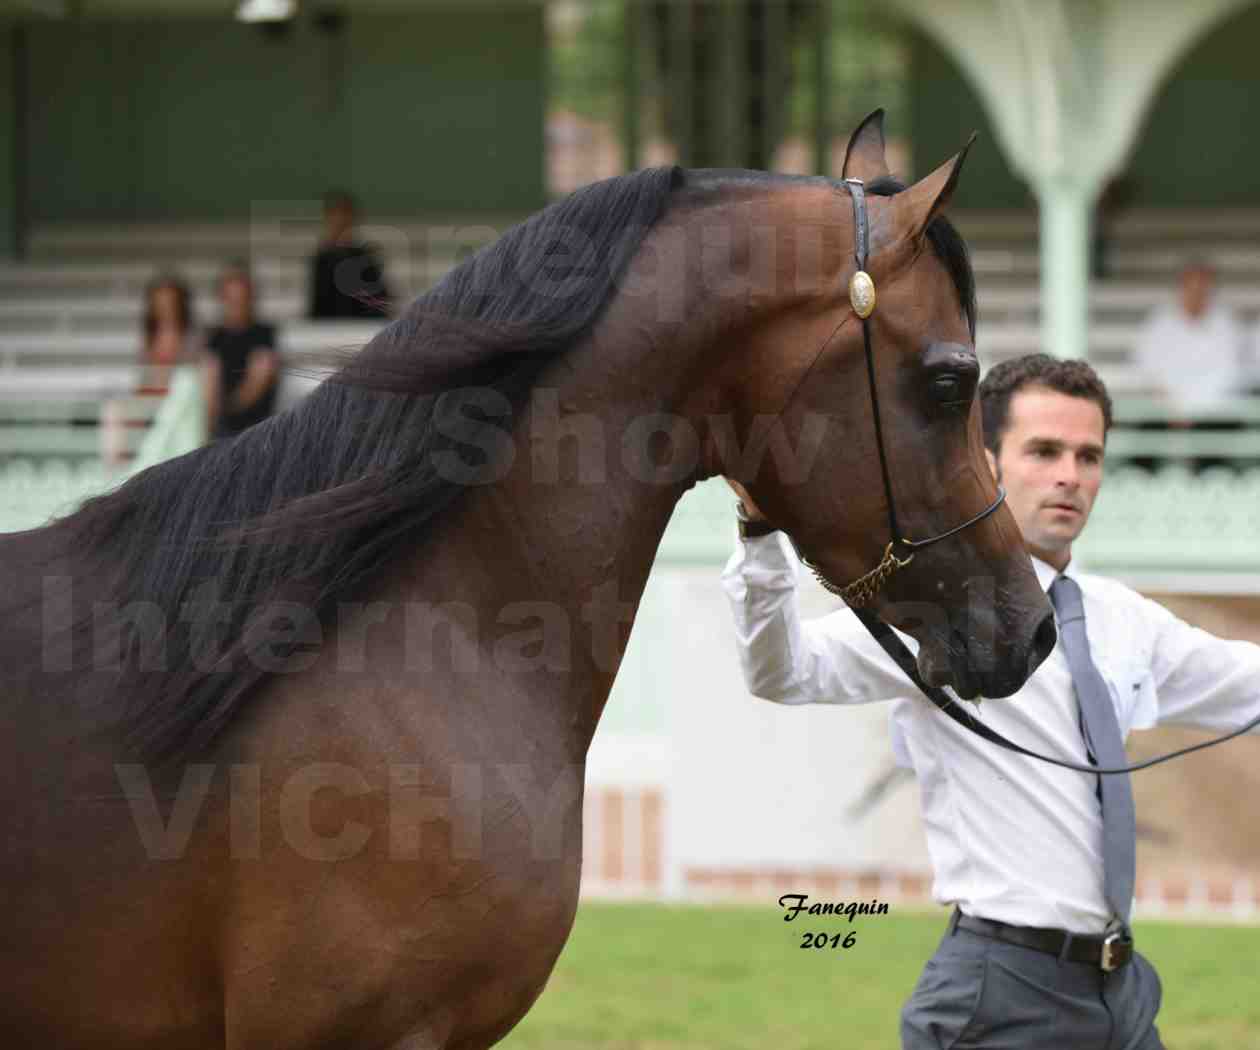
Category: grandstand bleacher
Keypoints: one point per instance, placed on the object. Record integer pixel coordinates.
(77, 297)
(70, 313)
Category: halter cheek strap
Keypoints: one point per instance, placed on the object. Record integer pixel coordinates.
(900, 551)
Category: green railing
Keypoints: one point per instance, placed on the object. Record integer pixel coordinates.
(1167, 522)
(1181, 528)
(49, 480)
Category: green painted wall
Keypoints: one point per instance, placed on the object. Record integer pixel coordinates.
(944, 111)
(440, 111)
(1196, 146)
(461, 97)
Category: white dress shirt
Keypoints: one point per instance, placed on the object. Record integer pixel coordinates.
(1194, 362)
(1011, 838)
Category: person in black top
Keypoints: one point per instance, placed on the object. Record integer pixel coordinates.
(242, 365)
(347, 277)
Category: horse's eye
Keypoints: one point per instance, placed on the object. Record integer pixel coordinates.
(946, 388)
(952, 391)
(952, 374)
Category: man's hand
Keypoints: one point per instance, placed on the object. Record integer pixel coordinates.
(750, 508)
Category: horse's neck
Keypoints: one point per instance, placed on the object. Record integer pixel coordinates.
(574, 527)
(566, 541)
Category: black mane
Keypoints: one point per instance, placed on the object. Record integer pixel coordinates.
(308, 506)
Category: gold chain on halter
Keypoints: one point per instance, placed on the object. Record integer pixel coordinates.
(863, 590)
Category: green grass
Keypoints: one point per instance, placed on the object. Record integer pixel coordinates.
(656, 977)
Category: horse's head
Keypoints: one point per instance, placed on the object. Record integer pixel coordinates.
(967, 594)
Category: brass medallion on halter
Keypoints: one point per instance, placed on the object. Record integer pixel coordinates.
(862, 294)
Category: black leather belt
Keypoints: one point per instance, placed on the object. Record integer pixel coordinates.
(1106, 951)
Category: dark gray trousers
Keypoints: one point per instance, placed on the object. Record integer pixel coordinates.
(976, 993)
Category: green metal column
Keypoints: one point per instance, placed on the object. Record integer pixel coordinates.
(1066, 207)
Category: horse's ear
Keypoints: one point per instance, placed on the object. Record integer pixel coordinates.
(864, 156)
(927, 198)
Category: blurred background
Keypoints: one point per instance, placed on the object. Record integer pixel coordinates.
(274, 178)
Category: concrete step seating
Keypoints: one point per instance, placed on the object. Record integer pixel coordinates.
(53, 302)
(1163, 226)
(1110, 302)
(1118, 310)
(117, 346)
(302, 339)
(77, 301)
(48, 281)
(69, 319)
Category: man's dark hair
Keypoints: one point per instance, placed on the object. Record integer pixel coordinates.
(1064, 376)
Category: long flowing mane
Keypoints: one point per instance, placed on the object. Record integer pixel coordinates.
(304, 510)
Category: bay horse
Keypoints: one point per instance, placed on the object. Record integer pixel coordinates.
(295, 725)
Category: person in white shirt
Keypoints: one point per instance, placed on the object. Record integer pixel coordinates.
(1038, 954)
(1191, 351)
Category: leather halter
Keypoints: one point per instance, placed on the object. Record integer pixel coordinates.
(862, 590)
(900, 551)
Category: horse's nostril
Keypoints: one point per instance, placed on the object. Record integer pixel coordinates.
(1043, 640)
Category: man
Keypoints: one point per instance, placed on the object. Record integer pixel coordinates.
(1193, 355)
(347, 277)
(1191, 351)
(1038, 860)
(242, 366)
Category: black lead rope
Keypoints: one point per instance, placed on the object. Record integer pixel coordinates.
(896, 649)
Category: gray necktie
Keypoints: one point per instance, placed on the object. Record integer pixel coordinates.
(1102, 735)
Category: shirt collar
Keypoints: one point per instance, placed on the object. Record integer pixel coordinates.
(1047, 574)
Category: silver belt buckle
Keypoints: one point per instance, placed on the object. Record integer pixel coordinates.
(1117, 949)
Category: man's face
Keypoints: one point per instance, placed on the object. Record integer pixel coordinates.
(237, 300)
(1197, 285)
(1050, 461)
(338, 220)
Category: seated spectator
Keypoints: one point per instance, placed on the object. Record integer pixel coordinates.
(347, 277)
(1191, 350)
(168, 336)
(1192, 353)
(242, 365)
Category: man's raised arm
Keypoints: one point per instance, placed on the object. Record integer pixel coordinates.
(828, 660)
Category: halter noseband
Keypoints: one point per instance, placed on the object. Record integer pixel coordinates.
(862, 297)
